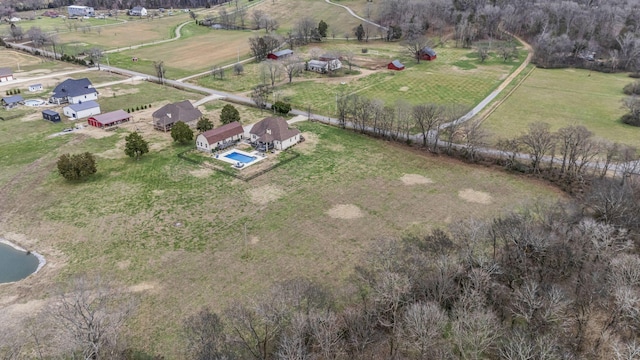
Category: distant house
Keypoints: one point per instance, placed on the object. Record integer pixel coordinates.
(279, 54)
(109, 119)
(324, 66)
(83, 110)
(35, 87)
(395, 65)
(138, 11)
(10, 102)
(273, 132)
(221, 137)
(77, 10)
(74, 92)
(6, 74)
(14, 19)
(166, 116)
(51, 115)
(427, 53)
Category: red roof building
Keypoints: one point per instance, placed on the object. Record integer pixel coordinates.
(221, 137)
(395, 65)
(110, 119)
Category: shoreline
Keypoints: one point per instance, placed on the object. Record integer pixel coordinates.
(41, 260)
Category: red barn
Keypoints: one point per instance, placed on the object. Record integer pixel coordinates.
(109, 119)
(279, 54)
(428, 54)
(395, 65)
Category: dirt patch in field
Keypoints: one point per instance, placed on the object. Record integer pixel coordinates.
(474, 196)
(97, 133)
(143, 286)
(254, 240)
(265, 194)
(32, 117)
(345, 211)
(201, 173)
(108, 91)
(309, 144)
(404, 88)
(415, 179)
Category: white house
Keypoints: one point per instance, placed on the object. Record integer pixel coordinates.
(74, 92)
(6, 74)
(221, 137)
(138, 11)
(274, 132)
(35, 87)
(14, 19)
(324, 66)
(77, 10)
(79, 111)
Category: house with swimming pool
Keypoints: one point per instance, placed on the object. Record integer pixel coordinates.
(273, 133)
(220, 138)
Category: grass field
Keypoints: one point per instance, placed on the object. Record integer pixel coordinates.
(566, 97)
(172, 230)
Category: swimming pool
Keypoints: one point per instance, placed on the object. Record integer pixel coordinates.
(34, 102)
(236, 156)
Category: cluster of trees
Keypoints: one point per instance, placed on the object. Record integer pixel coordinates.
(13, 91)
(544, 283)
(76, 166)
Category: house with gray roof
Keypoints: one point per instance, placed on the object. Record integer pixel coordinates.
(166, 116)
(6, 74)
(273, 133)
(74, 92)
(10, 102)
(82, 110)
(138, 11)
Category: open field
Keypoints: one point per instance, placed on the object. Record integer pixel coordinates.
(172, 231)
(131, 33)
(564, 97)
(193, 54)
(58, 25)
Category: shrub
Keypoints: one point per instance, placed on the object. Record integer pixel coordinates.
(633, 88)
(629, 119)
(281, 107)
(365, 50)
(75, 167)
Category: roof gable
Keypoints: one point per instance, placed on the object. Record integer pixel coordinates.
(111, 117)
(84, 106)
(223, 132)
(6, 71)
(71, 87)
(273, 128)
(180, 111)
(428, 51)
(283, 52)
(397, 64)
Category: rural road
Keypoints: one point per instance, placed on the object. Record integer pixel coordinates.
(356, 15)
(178, 35)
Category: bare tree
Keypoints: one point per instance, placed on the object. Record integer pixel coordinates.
(539, 141)
(325, 330)
(16, 32)
(423, 327)
(359, 326)
(160, 70)
(37, 36)
(95, 54)
(204, 332)
(292, 66)
(272, 69)
(257, 16)
(304, 29)
(474, 136)
(427, 117)
(259, 95)
(511, 148)
(238, 68)
(92, 311)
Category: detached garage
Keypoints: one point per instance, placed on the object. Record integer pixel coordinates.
(83, 110)
(51, 115)
(109, 119)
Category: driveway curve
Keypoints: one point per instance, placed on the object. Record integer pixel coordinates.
(356, 15)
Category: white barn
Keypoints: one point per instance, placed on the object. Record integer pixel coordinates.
(77, 10)
(83, 110)
(221, 137)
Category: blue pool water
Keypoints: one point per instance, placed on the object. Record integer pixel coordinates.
(240, 157)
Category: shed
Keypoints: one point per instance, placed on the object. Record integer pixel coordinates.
(109, 119)
(51, 115)
(279, 54)
(6, 74)
(11, 101)
(35, 87)
(221, 137)
(83, 110)
(428, 53)
(395, 65)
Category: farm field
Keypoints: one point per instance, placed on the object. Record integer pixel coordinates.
(172, 231)
(59, 24)
(564, 97)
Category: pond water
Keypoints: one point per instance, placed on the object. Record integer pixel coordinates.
(15, 264)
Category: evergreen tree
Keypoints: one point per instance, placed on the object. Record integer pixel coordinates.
(229, 114)
(135, 145)
(359, 32)
(181, 133)
(204, 124)
(322, 28)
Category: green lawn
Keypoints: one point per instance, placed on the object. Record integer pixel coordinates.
(564, 97)
(176, 230)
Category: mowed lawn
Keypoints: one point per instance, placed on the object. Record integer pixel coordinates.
(174, 232)
(564, 97)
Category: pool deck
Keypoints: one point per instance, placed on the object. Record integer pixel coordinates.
(255, 154)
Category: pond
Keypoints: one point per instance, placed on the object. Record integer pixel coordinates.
(16, 264)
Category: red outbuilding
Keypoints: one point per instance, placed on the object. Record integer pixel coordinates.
(279, 54)
(428, 54)
(395, 65)
(110, 119)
